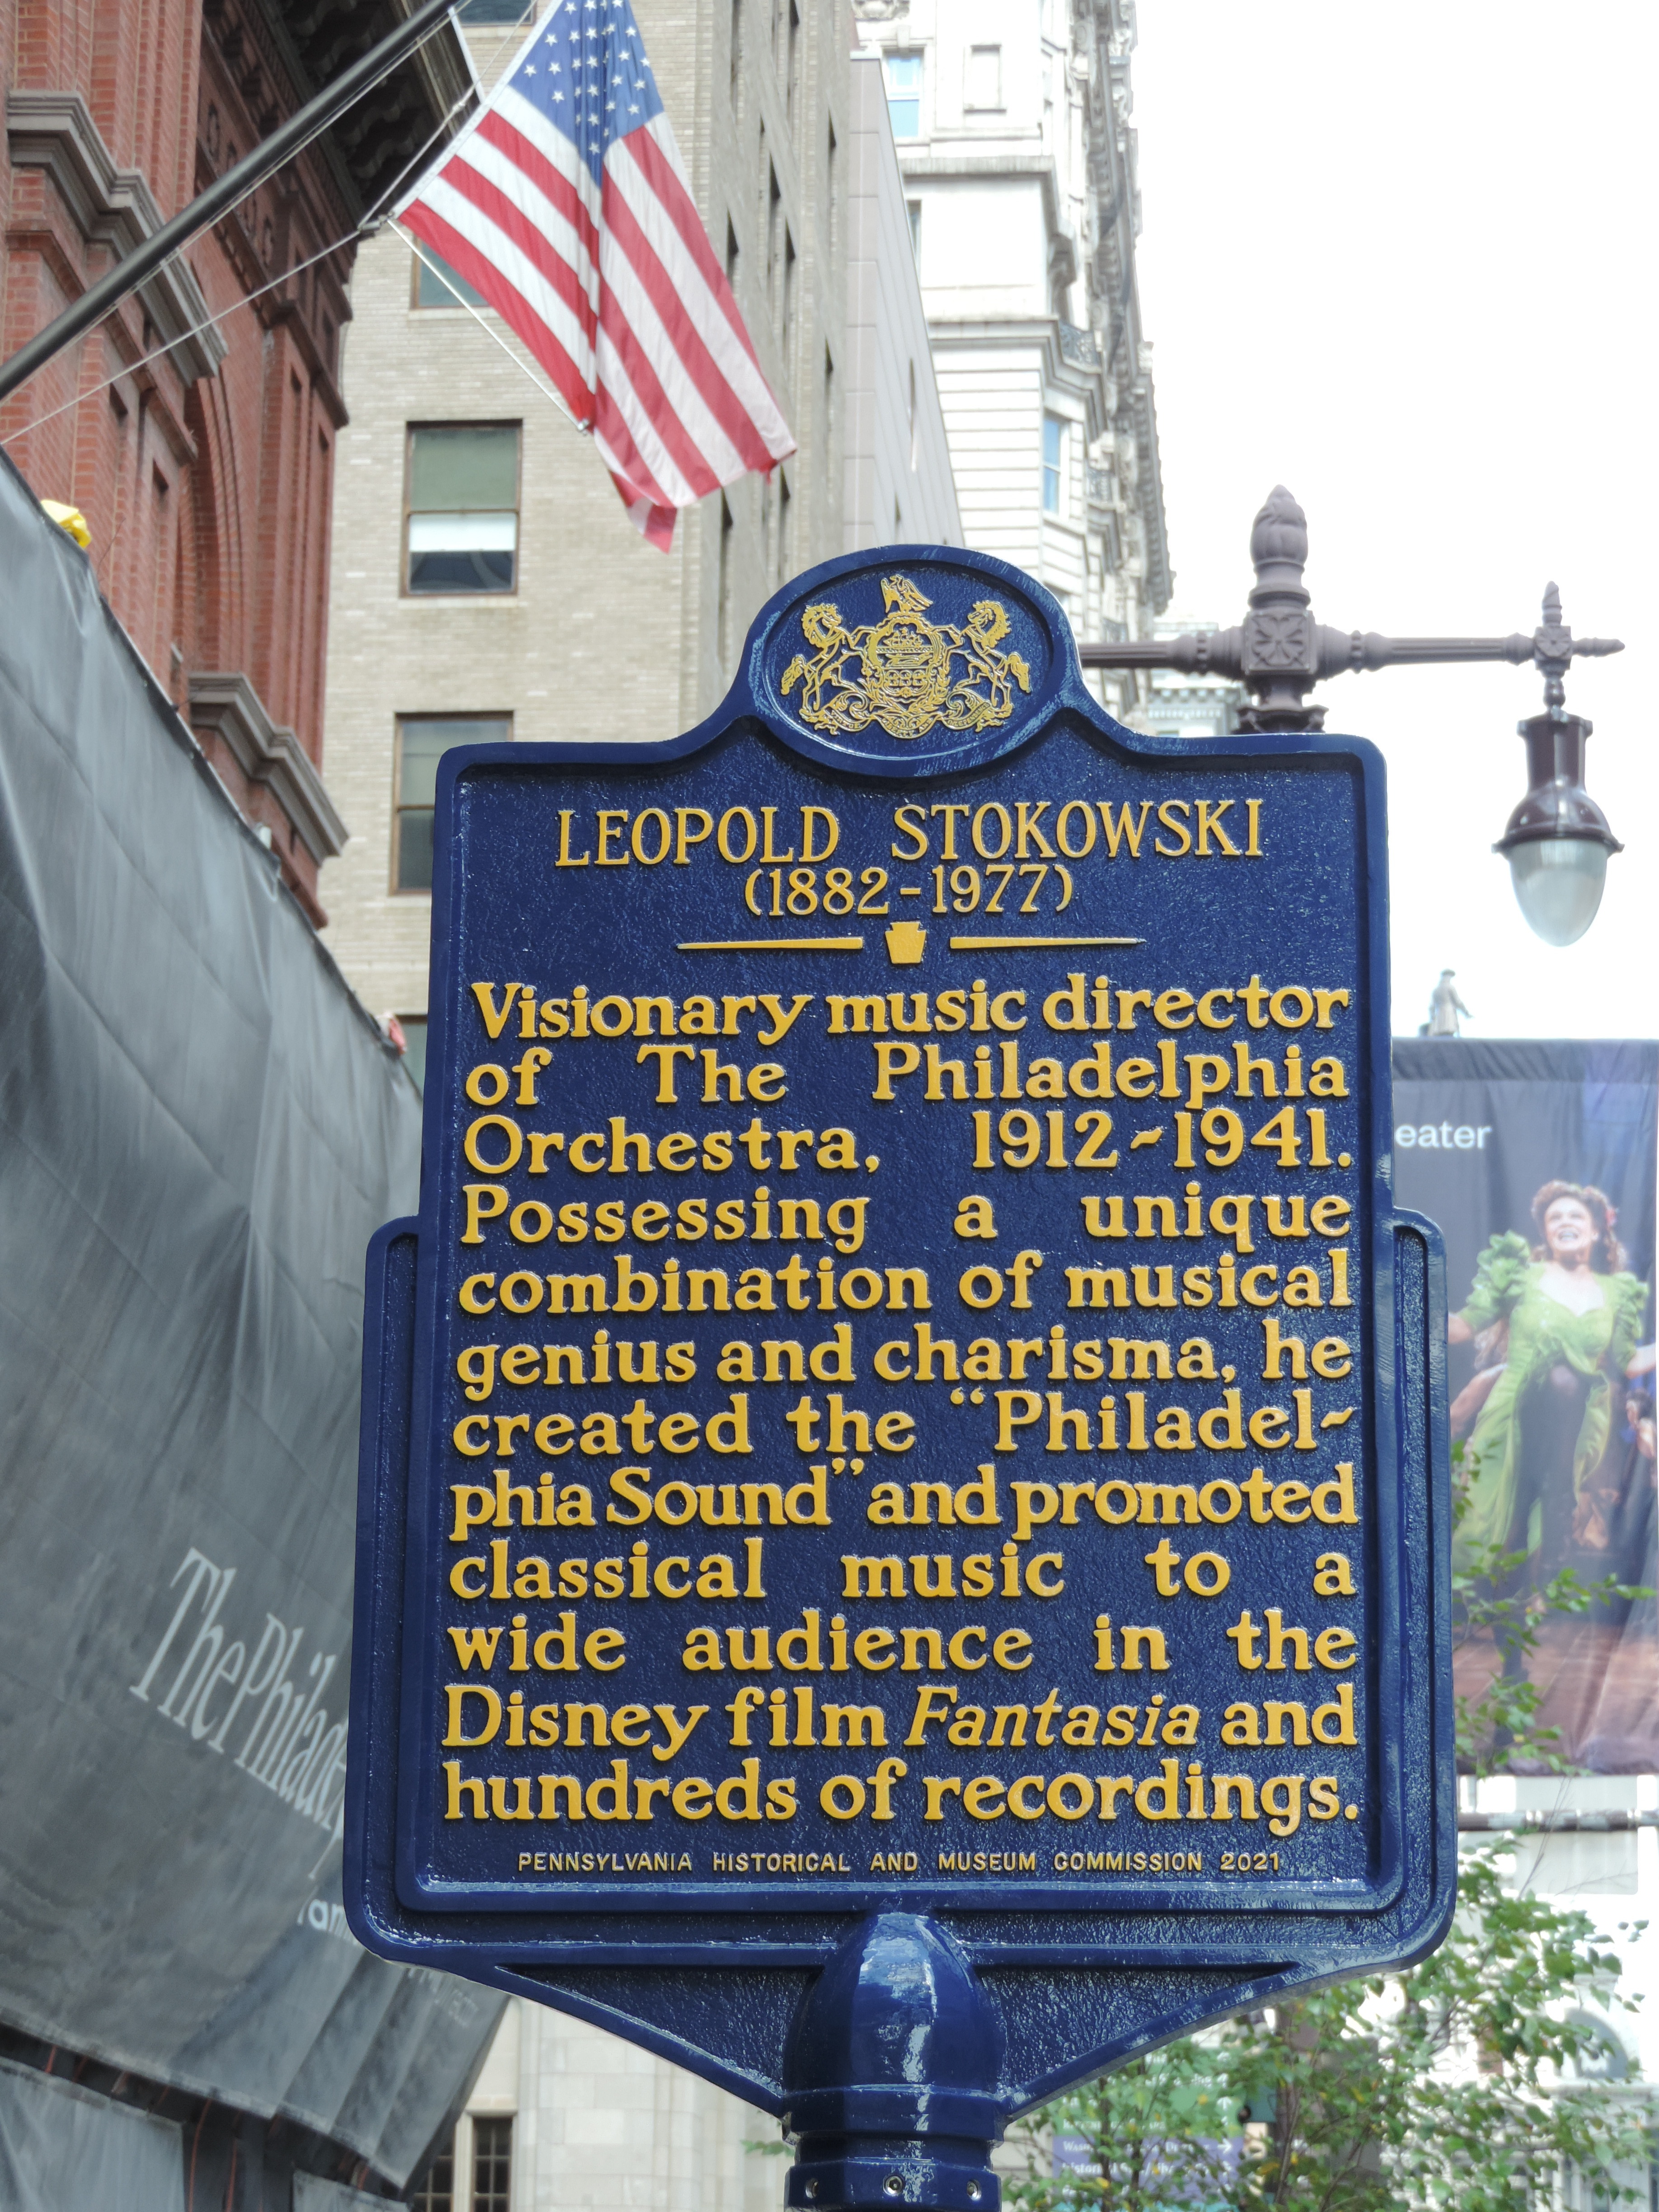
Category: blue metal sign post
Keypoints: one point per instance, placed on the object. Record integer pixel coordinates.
(902, 1552)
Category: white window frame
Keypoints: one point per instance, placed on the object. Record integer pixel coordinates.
(905, 94)
(1054, 428)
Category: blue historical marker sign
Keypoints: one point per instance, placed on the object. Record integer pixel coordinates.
(906, 1427)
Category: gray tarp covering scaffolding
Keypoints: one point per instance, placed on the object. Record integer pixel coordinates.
(200, 1128)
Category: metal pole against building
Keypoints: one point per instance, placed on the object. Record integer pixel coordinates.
(226, 192)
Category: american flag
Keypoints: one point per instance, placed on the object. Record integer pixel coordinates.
(564, 204)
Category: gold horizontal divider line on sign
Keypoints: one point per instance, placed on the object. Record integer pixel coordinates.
(1034, 944)
(775, 945)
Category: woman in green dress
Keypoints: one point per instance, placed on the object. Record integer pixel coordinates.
(1562, 1319)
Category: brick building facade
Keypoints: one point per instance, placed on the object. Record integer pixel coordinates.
(206, 475)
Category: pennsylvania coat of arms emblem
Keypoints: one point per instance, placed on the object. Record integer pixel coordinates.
(904, 674)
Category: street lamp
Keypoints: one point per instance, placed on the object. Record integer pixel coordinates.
(1557, 841)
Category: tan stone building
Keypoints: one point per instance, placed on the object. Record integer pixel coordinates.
(1012, 118)
(566, 2118)
(487, 583)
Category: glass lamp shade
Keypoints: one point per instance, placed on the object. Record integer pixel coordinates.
(1557, 839)
(1559, 883)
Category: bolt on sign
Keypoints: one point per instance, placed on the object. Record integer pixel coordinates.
(905, 1448)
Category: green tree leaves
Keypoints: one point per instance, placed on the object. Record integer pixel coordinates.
(1457, 2084)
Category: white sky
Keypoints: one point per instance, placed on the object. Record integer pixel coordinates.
(1401, 261)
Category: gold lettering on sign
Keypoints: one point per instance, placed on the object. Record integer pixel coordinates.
(829, 1440)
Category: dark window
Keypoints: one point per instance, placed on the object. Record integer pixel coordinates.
(492, 2164)
(438, 285)
(463, 507)
(422, 740)
(437, 2192)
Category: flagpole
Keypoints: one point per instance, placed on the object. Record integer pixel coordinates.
(226, 192)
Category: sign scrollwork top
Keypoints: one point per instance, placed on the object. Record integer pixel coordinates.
(901, 673)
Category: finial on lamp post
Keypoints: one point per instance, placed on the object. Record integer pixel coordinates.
(1278, 546)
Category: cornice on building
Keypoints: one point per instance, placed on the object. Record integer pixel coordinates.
(313, 41)
(1107, 32)
(982, 166)
(1143, 411)
(114, 208)
(1063, 264)
(1071, 356)
(227, 705)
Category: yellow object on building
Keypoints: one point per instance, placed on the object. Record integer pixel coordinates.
(70, 519)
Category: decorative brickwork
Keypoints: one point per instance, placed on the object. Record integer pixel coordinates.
(205, 476)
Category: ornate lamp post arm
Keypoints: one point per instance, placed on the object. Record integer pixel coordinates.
(1279, 651)
(224, 193)
(1557, 839)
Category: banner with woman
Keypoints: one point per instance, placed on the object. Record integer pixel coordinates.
(1538, 1161)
